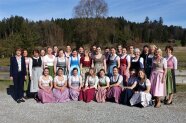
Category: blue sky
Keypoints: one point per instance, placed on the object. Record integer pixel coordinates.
(172, 11)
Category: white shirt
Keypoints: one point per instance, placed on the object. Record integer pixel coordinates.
(90, 78)
(74, 78)
(45, 82)
(128, 57)
(113, 79)
(19, 63)
(103, 79)
(49, 61)
(174, 60)
(112, 57)
(60, 82)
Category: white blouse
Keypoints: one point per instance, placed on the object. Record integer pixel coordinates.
(45, 82)
(140, 60)
(72, 79)
(128, 57)
(174, 60)
(49, 61)
(115, 56)
(104, 80)
(60, 82)
(90, 80)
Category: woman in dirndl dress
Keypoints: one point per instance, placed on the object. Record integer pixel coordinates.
(128, 90)
(142, 96)
(158, 77)
(148, 60)
(87, 94)
(28, 71)
(85, 64)
(75, 85)
(170, 77)
(45, 94)
(115, 88)
(103, 85)
(49, 61)
(137, 61)
(125, 65)
(99, 61)
(114, 61)
(35, 66)
(74, 62)
(61, 62)
(60, 90)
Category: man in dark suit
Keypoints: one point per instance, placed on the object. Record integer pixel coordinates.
(18, 75)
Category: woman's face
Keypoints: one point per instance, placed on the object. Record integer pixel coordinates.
(113, 51)
(137, 53)
(98, 50)
(74, 53)
(36, 54)
(68, 49)
(141, 74)
(146, 49)
(158, 54)
(168, 51)
(55, 49)
(86, 53)
(61, 53)
(25, 53)
(115, 71)
(18, 52)
(46, 72)
(124, 51)
(42, 53)
(152, 49)
(131, 49)
(91, 72)
(75, 72)
(60, 72)
(49, 51)
(119, 49)
(102, 73)
(132, 73)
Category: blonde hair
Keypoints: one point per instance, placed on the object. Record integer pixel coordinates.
(153, 45)
(136, 50)
(159, 51)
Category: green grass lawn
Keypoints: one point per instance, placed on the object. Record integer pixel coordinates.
(4, 61)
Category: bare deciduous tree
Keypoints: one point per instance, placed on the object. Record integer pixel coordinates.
(91, 9)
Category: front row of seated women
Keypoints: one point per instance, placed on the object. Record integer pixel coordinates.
(102, 88)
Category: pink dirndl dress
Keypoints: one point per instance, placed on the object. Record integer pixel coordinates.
(157, 87)
(44, 96)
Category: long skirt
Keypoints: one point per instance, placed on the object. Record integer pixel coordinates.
(26, 82)
(87, 95)
(141, 98)
(126, 96)
(124, 73)
(51, 71)
(74, 94)
(36, 73)
(170, 81)
(72, 67)
(101, 95)
(61, 96)
(157, 87)
(45, 97)
(84, 74)
(114, 93)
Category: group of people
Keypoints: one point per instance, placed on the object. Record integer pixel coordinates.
(121, 75)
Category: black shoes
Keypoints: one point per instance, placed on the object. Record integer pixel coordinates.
(20, 100)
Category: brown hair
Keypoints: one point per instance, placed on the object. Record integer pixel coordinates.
(169, 47)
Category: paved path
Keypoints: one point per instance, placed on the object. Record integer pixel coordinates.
(80, 112)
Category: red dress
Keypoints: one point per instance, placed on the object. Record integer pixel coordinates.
(123, 68)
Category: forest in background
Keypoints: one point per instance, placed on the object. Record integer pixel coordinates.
(18, 31)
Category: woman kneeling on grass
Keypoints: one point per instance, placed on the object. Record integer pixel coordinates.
(45, 94)
(103, 85)
(142, 96)
(61, 92)
(88, 93)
